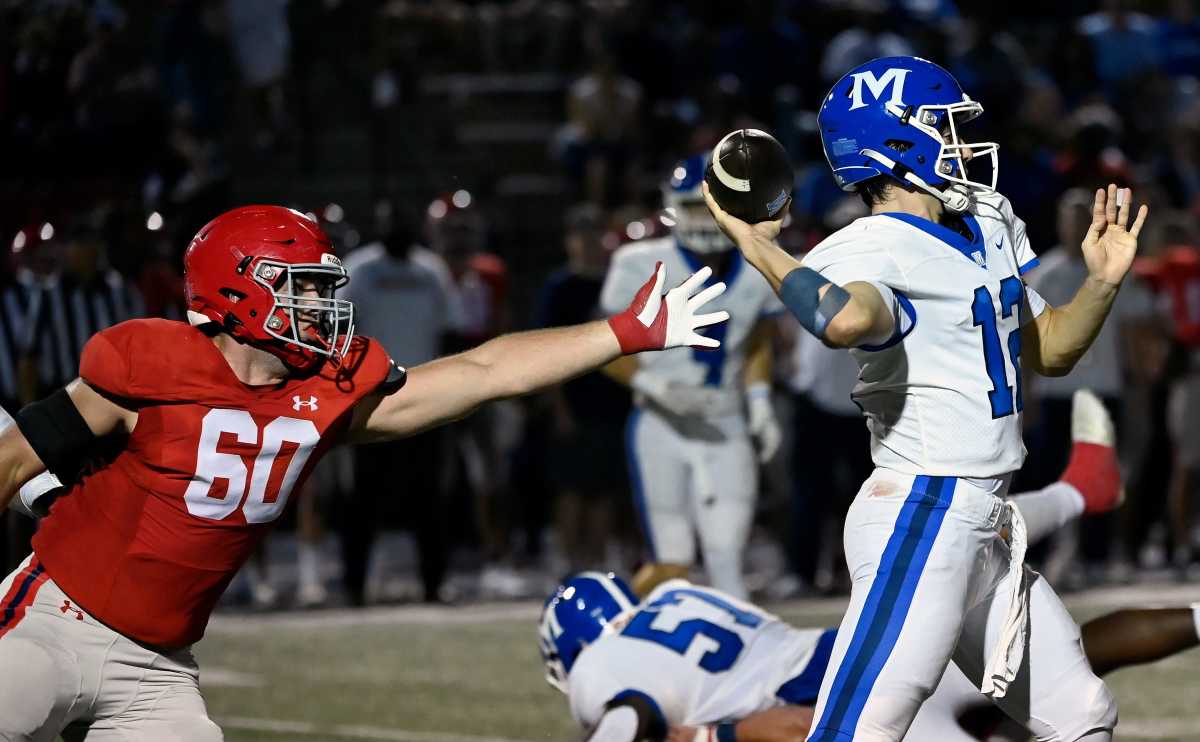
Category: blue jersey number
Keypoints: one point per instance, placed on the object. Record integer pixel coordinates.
(1001, 397)
(729, 644)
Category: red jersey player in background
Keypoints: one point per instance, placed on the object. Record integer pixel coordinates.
(219, 420)
(1175, 275)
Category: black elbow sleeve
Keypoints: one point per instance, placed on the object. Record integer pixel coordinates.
(57, 432)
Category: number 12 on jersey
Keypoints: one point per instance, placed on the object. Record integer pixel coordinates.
(1001, 397)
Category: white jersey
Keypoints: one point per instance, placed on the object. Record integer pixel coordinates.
(714, 658)
(942, 397)
(747, 297)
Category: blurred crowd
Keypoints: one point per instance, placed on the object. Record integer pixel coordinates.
(125, 126)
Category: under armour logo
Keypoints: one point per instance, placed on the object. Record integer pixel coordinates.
(66, 606)
(310, 403)
(878, 85)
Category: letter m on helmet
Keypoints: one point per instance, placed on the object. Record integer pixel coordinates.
(878, 85)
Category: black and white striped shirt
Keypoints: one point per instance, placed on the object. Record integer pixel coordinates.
(64, 313)
(14, 312)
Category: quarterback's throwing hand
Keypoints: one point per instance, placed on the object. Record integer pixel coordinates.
(654, 321)
(743, 234)
(1109, 247)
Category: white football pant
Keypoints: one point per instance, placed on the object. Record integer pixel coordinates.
(931, 584)
(691, 477)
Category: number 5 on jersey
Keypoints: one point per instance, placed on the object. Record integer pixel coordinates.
(212, 465)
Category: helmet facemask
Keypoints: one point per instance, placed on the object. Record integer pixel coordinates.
(304, 313)
(941, 122)
(693, 224)
(556, 669)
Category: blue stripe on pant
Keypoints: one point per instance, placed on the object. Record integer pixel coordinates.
(635, 480)
(10, 610)
(886, 606)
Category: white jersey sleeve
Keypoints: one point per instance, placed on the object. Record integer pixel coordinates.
(613, 667)
(860, 256)
(860, 252)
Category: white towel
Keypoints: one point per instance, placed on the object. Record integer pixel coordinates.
(1006, 657)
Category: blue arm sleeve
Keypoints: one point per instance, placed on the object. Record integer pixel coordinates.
(800, 293)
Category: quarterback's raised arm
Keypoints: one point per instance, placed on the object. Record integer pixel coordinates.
(516, 364)
(1055, 341)
(56, 432)
(840, 316)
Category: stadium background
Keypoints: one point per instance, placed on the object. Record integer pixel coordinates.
(124, 126)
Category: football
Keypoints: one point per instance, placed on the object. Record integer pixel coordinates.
(750, 176)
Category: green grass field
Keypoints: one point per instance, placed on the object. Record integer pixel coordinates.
(472, 674)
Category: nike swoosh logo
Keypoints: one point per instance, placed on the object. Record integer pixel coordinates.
(1000, 244)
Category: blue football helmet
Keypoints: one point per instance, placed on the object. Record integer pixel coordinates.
(575, 615)
(900, 117)
(692, 224)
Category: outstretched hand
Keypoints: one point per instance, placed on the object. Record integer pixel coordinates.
(655, 322)
(1109, 247)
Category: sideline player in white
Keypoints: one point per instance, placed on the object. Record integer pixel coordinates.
(726, 670)
(688, 440)
(927, 293)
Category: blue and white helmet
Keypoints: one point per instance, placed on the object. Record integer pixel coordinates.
(690, 220)
(900, 117)
(575, 615)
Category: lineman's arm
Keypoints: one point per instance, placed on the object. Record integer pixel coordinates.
(630, 718)
(782, 724)
(57, 429)
(511, 365)
(1054, 342)
(516, 364)
(841, 316)
(1134, 636)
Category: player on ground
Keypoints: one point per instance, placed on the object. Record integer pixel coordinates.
(220, 419)
(728, 670)
(688, 441)
(927, 293)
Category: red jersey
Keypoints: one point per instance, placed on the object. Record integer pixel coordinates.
(1176, 277)
(148, 543)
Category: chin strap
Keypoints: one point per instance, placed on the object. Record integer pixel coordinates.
(956, 198)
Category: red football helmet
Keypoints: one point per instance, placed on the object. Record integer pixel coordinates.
(266, 275)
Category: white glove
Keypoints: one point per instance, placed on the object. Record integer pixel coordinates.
(764, 426)
(655, 322)
(678, 399)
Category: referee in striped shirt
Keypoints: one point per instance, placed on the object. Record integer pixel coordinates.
(63, 296)
(70, 305)
(28, 259)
